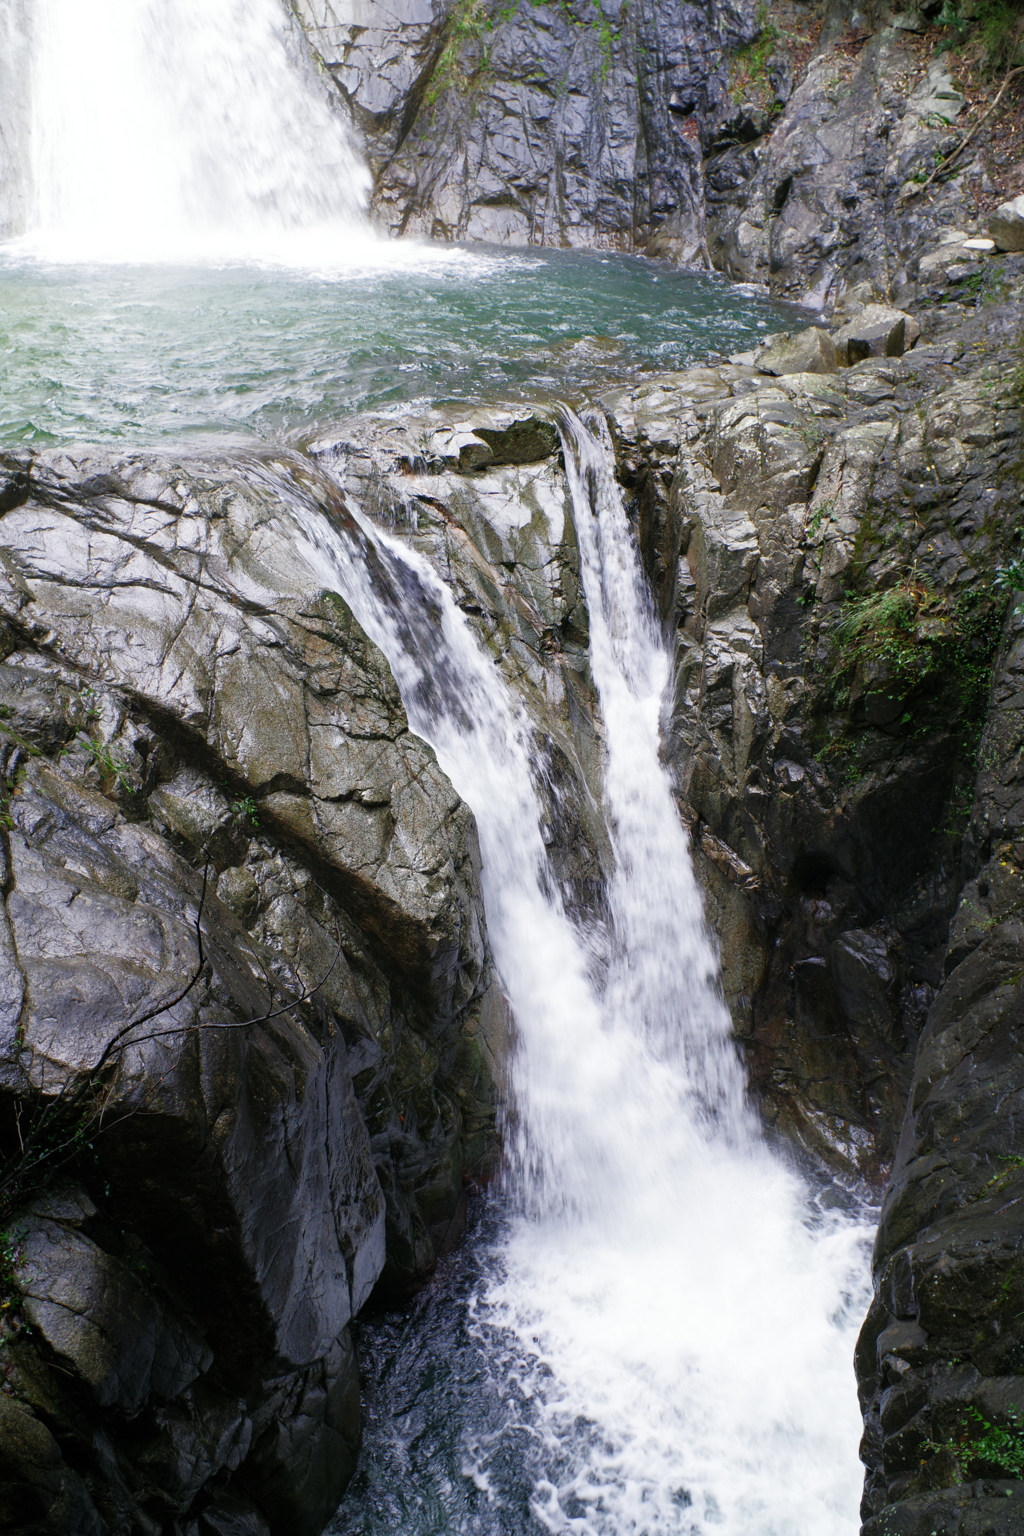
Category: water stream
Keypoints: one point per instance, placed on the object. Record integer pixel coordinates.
(673, 1319)
(651, 1329)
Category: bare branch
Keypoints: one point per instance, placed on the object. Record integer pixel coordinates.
(911, 191)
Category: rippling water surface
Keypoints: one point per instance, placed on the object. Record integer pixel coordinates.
(138, 353)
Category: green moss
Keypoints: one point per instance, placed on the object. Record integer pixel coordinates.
(468, 20)
(911, 633)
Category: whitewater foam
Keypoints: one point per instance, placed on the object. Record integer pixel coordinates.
(683, 1317)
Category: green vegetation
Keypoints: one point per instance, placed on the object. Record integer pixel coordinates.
(825, 512)
(993, 1450)
(9, 1255)
(1010, 577)
(246, 810)
(910, 633)
(996, 1184)
(752, 61)
(920, 660)
(109, 766)
(469, 21)
(996, 25)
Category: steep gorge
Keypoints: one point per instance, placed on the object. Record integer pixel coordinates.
(853, 793)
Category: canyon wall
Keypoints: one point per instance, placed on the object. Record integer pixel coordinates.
(573, 124)
(835, 551)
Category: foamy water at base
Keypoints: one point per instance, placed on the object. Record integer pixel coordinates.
(663, 1320)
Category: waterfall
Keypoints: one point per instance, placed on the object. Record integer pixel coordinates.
(682, 1318)
(175, 129)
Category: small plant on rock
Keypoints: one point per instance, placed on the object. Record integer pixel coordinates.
(752, 61)
(981, 1447)
(103, 759)
(1010, 577)
(246, 810)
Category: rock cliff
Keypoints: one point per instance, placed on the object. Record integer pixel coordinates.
(214, 812)
(574, 124)
(836, 553)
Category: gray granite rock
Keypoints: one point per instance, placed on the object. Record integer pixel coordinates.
(1006, 225)
(576, 124)
(808, 351)
(197, 741)
(875, 331)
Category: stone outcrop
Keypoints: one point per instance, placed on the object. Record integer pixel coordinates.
(941, 1356)
(202, 748)
(832, 549)
(808, 351)
(857, 823)
(574, 124)
(875, 331)
(831, 198)
(832, 770)
(703, 134)
(212, 808)
(485, 500)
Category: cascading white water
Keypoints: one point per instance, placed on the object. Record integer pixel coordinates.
(175, 129)
(684, 1320)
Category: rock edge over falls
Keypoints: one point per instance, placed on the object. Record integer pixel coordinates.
(212, 809)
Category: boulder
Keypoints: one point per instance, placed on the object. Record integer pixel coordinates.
(809, 351)
(1006, 225)
(876, 331)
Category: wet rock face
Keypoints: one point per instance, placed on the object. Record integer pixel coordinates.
(564, 125)
(485, 500)
(212, 807)
(941, 1357)
(822, 761)
(856, 811)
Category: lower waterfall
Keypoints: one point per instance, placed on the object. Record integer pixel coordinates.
(673, 1315)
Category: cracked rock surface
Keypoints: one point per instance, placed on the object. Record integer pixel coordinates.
(198, 743)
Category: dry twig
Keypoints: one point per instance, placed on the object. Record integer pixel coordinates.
(914, 191)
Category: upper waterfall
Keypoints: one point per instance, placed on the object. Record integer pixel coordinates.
(170, 129)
